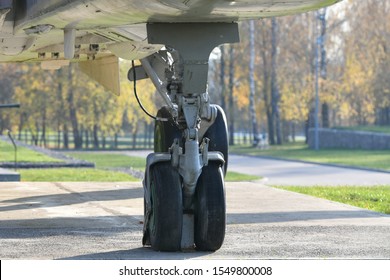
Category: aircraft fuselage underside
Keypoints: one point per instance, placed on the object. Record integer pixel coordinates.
(30, 28)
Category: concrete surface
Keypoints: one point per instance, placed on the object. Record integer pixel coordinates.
(104, 221)
(281, 172)
(9, 176)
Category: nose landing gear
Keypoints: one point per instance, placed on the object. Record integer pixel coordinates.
(170, 224)
(184, 190)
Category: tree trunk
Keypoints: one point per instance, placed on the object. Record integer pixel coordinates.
(325, 114)
(293, 131)
(286, 131)
(72, 112)
(145, 134)
(21, 124)
(252, 105)
(323, 67)
(222, 78)
(135, 137)
(4, 121)
(95, 136)
(1, 124)
(86, 138)
(309, 124)
(275, 95)
(58, 137)
(104, 140)
(151, 130)
(231, 97)
(66, 137)
(116, 141)
(62, 118)
(35, 137)
(266, 89)
(43, 134)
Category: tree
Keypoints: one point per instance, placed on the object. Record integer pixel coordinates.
(252, 83)
(231, 95)
(7, 94)
(222, 78)
(323, 68)
(77, 136)
(275, 95)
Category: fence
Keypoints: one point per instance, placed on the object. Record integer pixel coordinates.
(347, 139)
(55, 140)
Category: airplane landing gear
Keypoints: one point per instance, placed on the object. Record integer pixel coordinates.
(175, 220)
(184, 190)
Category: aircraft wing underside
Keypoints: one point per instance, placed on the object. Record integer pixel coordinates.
(32, 30)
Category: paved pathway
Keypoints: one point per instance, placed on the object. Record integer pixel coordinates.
(281, 172)
(104, 221)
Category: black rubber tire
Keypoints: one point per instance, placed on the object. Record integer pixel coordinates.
(210, 209)
(219, 136)
(146, 236)
(165, 132)
(166, 219)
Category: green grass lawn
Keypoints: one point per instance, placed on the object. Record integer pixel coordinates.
(23, 154)
(111, 160)
(239, 177)
(73, 175)
(62, 174)
(360, 158)
(375, 198)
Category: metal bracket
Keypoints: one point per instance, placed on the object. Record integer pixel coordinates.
(207, 122)
(194, 42)
(160, 86)
(140, 73)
